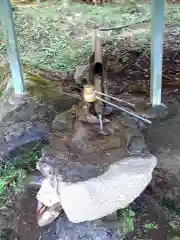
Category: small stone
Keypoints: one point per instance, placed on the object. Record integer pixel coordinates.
(13, 137)
(92, 119)
(62, 228)
(137, 145)
(34, 180)
(4, 150)
(107, 110)
(63, 121)
(135, 142)
(128, 122)
(24, 112)
(1, 159)
(159, 112)
(81, 74)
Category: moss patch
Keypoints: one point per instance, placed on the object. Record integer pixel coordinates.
(42, 88)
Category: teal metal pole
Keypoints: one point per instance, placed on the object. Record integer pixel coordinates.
(157, 37)
(6, 16)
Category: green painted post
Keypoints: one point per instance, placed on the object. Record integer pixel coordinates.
(6, 16)
(157, 37)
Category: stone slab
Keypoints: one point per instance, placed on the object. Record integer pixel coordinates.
(98, 197)
(113, 190)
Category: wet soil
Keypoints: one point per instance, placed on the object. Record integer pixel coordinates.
(27, 226)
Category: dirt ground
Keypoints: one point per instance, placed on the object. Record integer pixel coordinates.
(157, 209)
(27, 227)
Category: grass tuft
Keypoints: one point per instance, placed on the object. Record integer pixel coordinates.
(13, 174)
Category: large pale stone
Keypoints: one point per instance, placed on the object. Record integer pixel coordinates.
(97, 197)
(113, 190)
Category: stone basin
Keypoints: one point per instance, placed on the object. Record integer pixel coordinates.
(90, 174)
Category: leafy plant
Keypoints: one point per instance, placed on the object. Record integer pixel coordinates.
(174, 222)
(13, 174)
(150, 225)
(126, 223)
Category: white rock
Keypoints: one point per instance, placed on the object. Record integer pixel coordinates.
(119, 186)
(47, 194)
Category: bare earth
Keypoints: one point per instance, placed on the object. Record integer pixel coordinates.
(159, 204)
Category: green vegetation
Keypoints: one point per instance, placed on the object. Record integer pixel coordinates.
(58, 34)
(150, 225)
(13, 174)
(174, 221)
(126, 223)
(41, 87)
(175, 224)
(60, 37)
